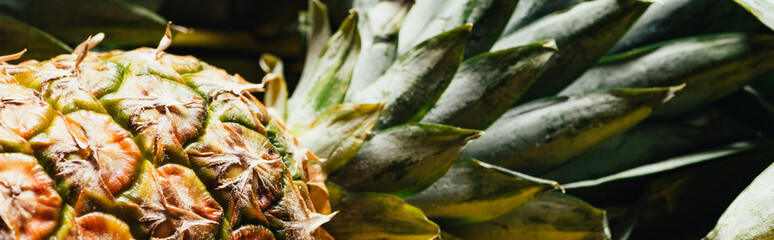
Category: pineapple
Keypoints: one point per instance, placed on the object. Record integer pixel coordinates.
(145, 144)
(434, 119)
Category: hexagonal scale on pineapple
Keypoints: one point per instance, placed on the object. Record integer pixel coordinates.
(252, 232)
(143, 61)
(91, 226)
(170, 202)
(29, 205)
(242, 165)
(92, 157)
(229, 97)
(163, 115)
(69, 88)
(22, 111)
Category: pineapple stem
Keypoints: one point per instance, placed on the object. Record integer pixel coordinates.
(165, 41)
(83, 49)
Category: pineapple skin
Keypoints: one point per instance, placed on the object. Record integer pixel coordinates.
(143, 144)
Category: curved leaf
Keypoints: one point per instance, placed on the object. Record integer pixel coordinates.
(643, 144)
(404, 160)
(762, 9)
(276, 96)
(364, 216)
(613, 187)
(431, 17)
(379, 27)
(328, 84)
(683, 18)
(528, 11)
(486, 85)
(552, 215)
(583, 33)
(711, 66)
(474, 191)
(543, 134)
(338, 134)
(124, 23)
(750, 216)
(417, 79)
(318, 31)
(15, 36)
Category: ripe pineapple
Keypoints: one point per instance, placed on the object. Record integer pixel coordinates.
(431, 120)
(117, 136)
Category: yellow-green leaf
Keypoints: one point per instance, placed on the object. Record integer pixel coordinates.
(474, 191)
(338, 134)
(404, 160)
(552, 215)
(544, 134)
(365, 216)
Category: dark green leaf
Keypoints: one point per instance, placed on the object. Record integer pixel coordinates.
(16, 36)
(613, 188)
(379, 27)
(552, 215)
(751, 215)
(684, 18)
(431, 17)
(417, 79)
(681, 200)
(485, 86)
(530, 10)
(364, 216)
(543, 134)
(474, 191)
(338, 134)
(712, 66)
(331, 76)
(646, 143)
(124, 23)
(583, 33)
(762, 9)
(404, 160)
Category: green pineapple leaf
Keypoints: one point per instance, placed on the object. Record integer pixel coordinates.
(683, 18)
(328, 85)
(473, 191)
(647, 143)
(711, 66)
(338, 134)
(276, 95)
(431, 17)
(318, 31)
(762, 9)
(16, 36)
(679, 201)
(750, 215)
(551, 215)
(538, 136)
(486, 85)
(583, 34)
(528, 11)
(404, 160)
(417, 79)
(364, 216)
(379, 25)
(610, 188)
(124, 23)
